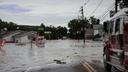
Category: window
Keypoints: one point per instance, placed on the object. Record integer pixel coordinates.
(126, 30)
(117, 26)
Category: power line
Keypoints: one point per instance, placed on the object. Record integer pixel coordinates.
(84, 5)
(96, 7)
(82, 9)
(108, 9)
(86, 2)
(105, 13)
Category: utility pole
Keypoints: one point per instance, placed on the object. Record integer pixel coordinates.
(82, 12)
(116, 5)
(82, 18)
(83, 29)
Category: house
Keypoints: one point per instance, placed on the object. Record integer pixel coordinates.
(24, 37)
(8, 36)
(98, 29)
(89, 33)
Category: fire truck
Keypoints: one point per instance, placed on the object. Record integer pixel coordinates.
(115, 52)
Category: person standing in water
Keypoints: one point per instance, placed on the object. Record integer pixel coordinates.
(2, 42)
(37, 39)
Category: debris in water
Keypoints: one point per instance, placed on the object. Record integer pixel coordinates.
(14, 67)
(23, 64)
(67, 56)
(59, 62)
(75, 53)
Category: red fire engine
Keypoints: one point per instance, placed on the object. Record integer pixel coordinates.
(116, 42)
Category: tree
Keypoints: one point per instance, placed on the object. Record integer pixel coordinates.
(41, 29)
(11, 26)
(55, 32)
(42, 25)
(94, 21)
(76, 25)
(62, 31)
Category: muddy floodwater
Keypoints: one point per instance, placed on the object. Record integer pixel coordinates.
(53, 56)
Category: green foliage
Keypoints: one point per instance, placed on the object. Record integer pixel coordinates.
(94, 21)
(77, 26)
(56, 32)
(10, 26)
(62, 31)
(42, 25)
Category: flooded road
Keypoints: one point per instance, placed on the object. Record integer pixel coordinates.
(55, 56)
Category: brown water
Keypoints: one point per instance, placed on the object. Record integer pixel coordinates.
(69, 52)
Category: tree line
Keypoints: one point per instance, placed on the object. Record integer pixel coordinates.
(11, 26)
(76, 28)
(54, 32)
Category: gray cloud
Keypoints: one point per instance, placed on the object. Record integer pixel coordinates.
(13, 8)
(57, 12)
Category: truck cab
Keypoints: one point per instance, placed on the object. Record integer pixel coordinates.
(116, 42)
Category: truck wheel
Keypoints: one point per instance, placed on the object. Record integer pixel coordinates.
(106, 65)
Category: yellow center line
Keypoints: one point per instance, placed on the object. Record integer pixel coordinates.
(88, 67)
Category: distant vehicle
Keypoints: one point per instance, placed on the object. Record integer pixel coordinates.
(97, 37)
(64, 37)
(116, 42)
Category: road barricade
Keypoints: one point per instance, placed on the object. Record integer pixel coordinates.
(2, 43)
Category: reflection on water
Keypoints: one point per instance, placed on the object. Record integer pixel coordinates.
(24, 57)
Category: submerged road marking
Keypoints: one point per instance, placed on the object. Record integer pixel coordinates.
(88, 67)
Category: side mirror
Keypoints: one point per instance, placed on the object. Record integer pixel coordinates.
(105, 27)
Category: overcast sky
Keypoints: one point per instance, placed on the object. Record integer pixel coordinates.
(49, 12)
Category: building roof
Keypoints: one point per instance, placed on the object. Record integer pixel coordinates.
(22, 34)
(6, 34)
(97, 27)
(89, 32)
(121, 12)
